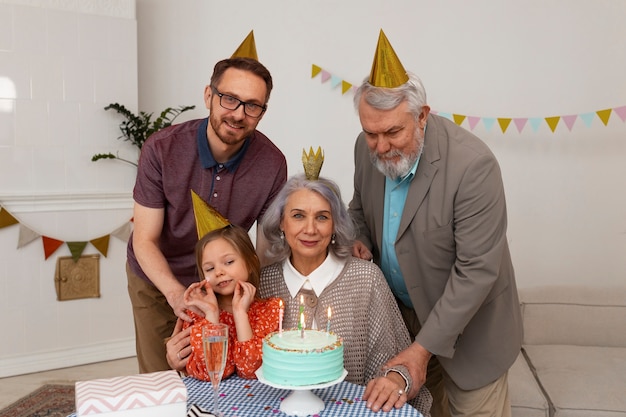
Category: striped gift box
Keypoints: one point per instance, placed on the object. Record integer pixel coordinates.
(159, 394)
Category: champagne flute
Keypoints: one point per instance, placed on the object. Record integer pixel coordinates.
(215, 345)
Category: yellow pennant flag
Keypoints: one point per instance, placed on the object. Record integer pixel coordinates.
(102, 244)
(315, 70)
(504, 123)
(345, 87)
(6, 219)
(458, 118)
(604, 115)
(552, 122)
(76, 249)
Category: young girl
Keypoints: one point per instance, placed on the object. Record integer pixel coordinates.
(230, 266)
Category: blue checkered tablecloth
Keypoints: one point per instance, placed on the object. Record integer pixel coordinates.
(251, 398)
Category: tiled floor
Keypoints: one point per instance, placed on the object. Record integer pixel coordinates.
(14, 388)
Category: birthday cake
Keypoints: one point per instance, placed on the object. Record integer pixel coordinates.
(292, 360)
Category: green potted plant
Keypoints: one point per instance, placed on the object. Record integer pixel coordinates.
(137, 128)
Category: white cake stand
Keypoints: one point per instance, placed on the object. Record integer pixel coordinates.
(301, 401)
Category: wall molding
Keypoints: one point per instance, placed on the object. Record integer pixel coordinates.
(36, 203)
(112, 8)
(63, 358)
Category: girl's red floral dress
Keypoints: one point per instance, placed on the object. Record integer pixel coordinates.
(243, 357)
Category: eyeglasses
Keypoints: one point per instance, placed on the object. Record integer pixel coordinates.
(233, 103)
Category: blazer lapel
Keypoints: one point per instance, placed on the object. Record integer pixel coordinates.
(424, 176)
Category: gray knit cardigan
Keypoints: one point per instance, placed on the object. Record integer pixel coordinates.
(364, 314)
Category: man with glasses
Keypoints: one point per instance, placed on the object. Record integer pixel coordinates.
(225, 160)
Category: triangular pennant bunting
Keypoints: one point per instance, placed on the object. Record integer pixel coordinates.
(552, 122)
(345, 87)
(621, 112)
(6, 219)
(569, 121)
(604, 115)
(520, 123)
(504, 122)
(535, 122)
(334, 81)
(76, 249)
(587, 118)
(50, 245)
(458, 119)
(489, 122)
(122, 232)
(26, 236)
(102, 244)
(473, 121)
(315, 70)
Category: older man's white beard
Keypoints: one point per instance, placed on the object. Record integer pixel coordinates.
(394, 170)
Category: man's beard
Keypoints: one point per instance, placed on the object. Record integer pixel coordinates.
(226, 139)
(397, 169)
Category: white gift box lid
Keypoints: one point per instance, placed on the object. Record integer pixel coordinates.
(129, 392)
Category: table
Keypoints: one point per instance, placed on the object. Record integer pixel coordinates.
(251, 398)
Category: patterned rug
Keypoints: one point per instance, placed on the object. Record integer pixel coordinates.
(51, 400)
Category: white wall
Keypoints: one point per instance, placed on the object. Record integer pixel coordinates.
(61, 63)
(486, 58)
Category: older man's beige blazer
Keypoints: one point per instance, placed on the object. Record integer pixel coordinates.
(453, 251)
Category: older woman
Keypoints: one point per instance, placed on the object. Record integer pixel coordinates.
(310, 236)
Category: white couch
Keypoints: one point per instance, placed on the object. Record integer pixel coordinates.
(573, 359)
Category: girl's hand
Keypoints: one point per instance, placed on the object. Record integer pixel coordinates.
(243, 297)
(201, 296)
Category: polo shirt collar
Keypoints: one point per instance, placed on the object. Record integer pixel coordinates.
(206, 157)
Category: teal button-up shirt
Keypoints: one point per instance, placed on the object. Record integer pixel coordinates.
(396, 192)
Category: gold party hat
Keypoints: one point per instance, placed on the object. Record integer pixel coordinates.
(312, 163)
(207, 218)
(247, 49)
(387, 70)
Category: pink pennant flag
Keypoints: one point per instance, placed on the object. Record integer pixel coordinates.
(621, 112)
(473, 121)
(520, 122)
(569, 121)
(325, 76)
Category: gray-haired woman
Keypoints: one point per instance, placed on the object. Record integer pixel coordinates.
(310, 236)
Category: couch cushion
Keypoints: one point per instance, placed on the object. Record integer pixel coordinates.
(582, 380)
(570, 315)
(527, 400)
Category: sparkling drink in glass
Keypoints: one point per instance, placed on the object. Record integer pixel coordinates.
(215, 344)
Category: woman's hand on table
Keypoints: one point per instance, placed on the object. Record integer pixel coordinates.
(385, 392)
(178, 347)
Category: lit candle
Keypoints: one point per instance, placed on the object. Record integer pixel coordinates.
(281, 314)
(302, 325)
(328, 321)
(301, 303)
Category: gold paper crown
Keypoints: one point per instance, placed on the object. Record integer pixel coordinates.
(207, 218)
(312, 163)
(387, 70)
(247, 49)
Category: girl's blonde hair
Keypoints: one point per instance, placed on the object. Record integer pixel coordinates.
(240, 240)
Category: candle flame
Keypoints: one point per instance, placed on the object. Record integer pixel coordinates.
(329, 313)
(281, 304)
